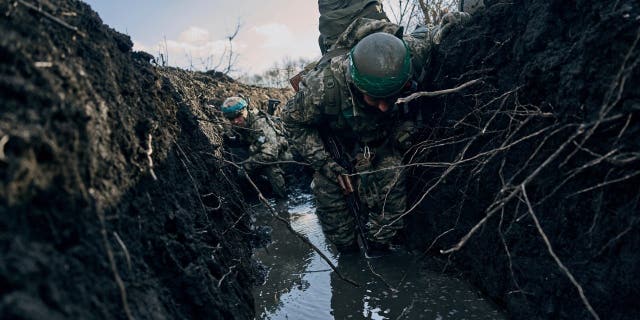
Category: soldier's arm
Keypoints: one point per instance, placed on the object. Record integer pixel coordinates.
(302, 116)
(423, 38)
(265, 143)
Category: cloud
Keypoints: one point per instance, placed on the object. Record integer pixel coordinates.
(194, 35)
(193, 49)
(275, 35)
(273, 42)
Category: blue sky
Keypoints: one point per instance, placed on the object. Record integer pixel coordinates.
(196, 30)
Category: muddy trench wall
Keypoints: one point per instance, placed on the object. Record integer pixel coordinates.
(551, 133)
(115, 202)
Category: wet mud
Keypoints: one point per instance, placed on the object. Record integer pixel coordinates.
(402, 285)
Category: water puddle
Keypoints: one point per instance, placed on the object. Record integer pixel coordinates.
(300, 284)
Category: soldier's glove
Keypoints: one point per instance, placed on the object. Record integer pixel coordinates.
(404, 134)
(334, 172)
(250, 164)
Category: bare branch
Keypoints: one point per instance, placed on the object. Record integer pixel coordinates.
(499, 204)
(124, 249)
(149, 152)
(606, 183)
(112, 262)
(3, 142)
(416, 95)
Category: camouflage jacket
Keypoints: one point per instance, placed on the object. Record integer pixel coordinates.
(264, 140)
(327, 100)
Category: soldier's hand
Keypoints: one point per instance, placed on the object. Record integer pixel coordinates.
(344, 181)
(448, 22)
(334, 172)
(248, 164)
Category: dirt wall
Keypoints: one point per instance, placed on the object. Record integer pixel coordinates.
(544, 148)
(115, 202)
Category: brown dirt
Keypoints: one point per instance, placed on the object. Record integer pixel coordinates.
(80, 111)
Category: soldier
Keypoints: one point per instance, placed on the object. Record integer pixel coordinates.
(347, 103)
(260, 139)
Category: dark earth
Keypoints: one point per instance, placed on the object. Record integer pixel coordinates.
(116, 201)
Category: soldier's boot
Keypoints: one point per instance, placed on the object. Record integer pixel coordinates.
(377, 249)
(279, 191)
(350, 248)
(471, 6)
(278, 186)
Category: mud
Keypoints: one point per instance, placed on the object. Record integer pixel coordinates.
(557, 113)
(115, 202)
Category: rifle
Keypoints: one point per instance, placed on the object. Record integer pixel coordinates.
(352, 199)
(272, 104)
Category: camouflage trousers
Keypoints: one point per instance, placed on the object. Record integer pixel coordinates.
(275, 176)
(382, 193)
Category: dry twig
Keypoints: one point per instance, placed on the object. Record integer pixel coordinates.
(499, 204)
(149, 152)
(112, 263)
(416, 95)
(124, 249)
(193, 181)
(3, 142)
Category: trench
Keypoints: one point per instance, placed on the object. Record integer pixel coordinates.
(300, 285)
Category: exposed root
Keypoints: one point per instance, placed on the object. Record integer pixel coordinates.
(379, 276)
(436, 93)
(127, 256)
(193, 182)
(499, 204)
(555, 257)
(226, 274)
(606, 183)
(149, 152)
(112, 264)
(52, 17)
(3, 142)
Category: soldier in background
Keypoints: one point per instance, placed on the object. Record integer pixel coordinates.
(257, 143)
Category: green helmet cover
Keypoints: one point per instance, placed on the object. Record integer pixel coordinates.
(232, 106)
(381, 78)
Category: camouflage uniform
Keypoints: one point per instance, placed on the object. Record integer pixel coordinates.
(264, 143)
(337, 15)
(327, 101)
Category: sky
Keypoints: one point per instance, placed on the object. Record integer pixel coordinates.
(196, 31)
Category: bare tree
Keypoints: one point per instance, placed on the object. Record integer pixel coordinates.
(410, 13)
(278, 75)
(232, 57)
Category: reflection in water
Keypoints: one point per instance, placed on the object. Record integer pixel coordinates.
(300, 285)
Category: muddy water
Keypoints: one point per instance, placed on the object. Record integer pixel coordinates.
(300, 285)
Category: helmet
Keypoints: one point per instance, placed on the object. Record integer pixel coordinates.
(233, 106)
(380, 65)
